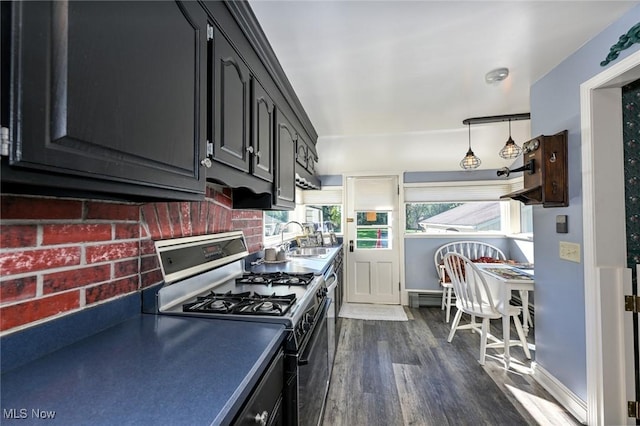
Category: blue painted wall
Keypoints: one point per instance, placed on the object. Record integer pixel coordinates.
(454, 176)
(420, 268)
(555, 106)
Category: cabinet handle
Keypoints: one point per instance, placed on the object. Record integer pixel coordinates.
(262, 418)
(257, 154)
(207, 163)
(250, 149)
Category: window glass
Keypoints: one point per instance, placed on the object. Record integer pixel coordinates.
(526, 219)
(275, 220)
(373, 230)
(324, 218)
(452, 217)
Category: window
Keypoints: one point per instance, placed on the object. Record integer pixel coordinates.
(373, 230)
(449, 217)
(324, 218)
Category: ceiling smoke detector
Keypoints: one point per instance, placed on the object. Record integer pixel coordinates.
(497, 75)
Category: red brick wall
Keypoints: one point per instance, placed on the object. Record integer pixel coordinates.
(61, 255)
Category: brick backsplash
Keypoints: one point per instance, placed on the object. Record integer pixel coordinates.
(59, 256)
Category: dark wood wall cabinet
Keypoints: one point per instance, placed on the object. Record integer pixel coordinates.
(106, 96)
(545, 172)
(284, 194)
(257, 157)
(143, 99)
(306, 160)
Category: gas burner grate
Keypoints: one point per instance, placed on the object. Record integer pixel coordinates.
(276, 278)
(246, 303)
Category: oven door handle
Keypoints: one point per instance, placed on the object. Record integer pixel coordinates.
(304, 358)
(332, 282)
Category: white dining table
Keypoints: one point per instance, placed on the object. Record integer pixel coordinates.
(502, 280)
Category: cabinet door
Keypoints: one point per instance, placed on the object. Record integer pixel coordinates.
(231, 106)
(285, 191)
(301, 152)
(263, 133)
(312, 159)
(111, 90)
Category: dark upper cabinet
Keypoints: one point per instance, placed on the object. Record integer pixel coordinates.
(241, 121)
(286, 137)
(112, 92)
(232, 106)
(306, 159)
(263, 133)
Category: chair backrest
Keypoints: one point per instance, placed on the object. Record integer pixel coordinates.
(470, 249)
(472, 291)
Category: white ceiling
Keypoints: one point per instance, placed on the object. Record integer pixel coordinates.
(375, 76)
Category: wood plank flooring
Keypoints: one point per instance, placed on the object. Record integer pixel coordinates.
(406, 373)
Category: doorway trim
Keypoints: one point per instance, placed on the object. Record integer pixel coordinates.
(604, 241)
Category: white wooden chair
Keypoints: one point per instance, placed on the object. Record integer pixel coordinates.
(472, 250)
(473, 297)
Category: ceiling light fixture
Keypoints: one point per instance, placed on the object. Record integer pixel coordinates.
(510, 149)
(497, 75)
(470, 161)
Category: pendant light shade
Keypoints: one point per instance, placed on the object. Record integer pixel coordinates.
(470, 161)
(510, 149)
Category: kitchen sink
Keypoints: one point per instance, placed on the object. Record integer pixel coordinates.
(319, 252)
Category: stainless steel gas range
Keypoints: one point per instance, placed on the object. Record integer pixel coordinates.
(205, 277)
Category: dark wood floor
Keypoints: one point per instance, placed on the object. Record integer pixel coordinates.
(406, 373)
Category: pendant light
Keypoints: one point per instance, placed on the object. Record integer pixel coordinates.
(510, 149)
(470, 161)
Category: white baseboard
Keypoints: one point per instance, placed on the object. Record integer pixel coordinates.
(576, 406)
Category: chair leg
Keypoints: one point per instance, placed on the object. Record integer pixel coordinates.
(473, 322)
(454, 326)
(523, 339)
(448, 314)
(483, 340)
(444, 297)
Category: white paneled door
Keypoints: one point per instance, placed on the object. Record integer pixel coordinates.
(371, 239)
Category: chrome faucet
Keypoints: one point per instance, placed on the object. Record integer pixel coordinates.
(285, 227)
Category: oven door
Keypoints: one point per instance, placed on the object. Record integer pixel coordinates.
(313, 373)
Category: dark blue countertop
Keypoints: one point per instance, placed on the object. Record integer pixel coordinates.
(304, 265)
(149, 370)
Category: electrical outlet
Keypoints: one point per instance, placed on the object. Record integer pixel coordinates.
(570, 251)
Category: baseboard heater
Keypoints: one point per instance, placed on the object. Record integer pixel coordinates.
(418, 299)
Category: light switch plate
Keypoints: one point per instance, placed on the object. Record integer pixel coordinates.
(570, 251)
